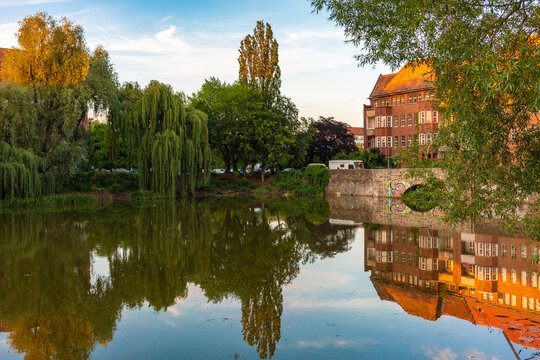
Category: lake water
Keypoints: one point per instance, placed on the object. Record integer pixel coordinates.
(243, 279)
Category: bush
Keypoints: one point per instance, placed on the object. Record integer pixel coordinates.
(313, 181)
(318, 177)
(115, 182)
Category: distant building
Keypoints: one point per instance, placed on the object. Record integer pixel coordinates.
(358, 133)
(401, 107)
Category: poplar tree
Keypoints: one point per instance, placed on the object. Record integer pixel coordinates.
(275, 123)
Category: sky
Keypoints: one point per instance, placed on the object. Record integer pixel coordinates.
(184, 42)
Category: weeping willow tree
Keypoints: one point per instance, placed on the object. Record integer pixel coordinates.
(168, 141)
(20, 175)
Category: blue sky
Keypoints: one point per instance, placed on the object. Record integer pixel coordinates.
(184, 42)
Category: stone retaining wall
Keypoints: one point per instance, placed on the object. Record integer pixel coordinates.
(372, 182)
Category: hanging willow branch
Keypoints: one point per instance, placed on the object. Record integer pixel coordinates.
(169, 142)
(19, 174)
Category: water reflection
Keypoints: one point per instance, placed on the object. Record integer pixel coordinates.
(486, 279)
(53, 308)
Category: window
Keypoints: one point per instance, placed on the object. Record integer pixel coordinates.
(523, 252)
(402, 120)
(409, 140)
(409, 119)
(389, 121)
(513, 252)
(376, 103)
(378, 141)
(394, 101)
(378, 120)
(389, 141)
(419, 97)
(428, 138)
(414, 99)
(422, 117)
(396, 121)
(402, 100)
(396, 141)
(503, 274)
(422, 139)
(503, 250)
(383, 141)
(410, 99)
(383, 121)
(435, 117)
(534, 279)
(512, 134)
(402, 140)
(428, 117)
(524, 278)
(513, 276)
(432, 95)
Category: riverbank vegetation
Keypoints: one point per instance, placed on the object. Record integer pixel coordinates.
(48, 143)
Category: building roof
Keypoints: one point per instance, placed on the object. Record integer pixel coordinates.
(409, 78)
(356, 130)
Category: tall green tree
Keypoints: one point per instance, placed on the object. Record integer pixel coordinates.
(275, 124)
(331, 138)
(259, 61)
(485, 58)
(170, 141)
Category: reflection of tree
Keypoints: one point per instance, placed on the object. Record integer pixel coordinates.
(261, 320)
(53, 338)
(154, 250)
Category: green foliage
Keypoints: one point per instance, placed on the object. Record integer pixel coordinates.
(115, 182)
(330, 138)
(168, 140)
(371, 158)
(50, 203)
(487, 80)
(422, 197)
(318, 177)
(311, 182)
(19, 173)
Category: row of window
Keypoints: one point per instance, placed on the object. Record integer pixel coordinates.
(422, 117)
(389, 141)
(511, 300)
(523, 278)
(401, 100)
(513, 251)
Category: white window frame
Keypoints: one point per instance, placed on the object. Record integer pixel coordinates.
(422, 117)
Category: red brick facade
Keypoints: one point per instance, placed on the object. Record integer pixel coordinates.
(401, 108)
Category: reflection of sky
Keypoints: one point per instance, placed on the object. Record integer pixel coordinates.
(330, 311)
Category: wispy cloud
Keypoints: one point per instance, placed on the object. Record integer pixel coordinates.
(7, 3)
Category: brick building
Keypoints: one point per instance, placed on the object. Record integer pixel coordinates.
(401, 108)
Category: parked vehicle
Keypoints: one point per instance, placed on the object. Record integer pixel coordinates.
(316, 164)
(346, 164)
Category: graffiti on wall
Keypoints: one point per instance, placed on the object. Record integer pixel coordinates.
(396, 188)
(396, 207)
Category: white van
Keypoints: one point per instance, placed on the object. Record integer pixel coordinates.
(346, 164)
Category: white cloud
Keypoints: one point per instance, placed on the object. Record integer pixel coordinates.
(6, 3)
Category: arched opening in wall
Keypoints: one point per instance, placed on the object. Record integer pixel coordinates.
(418, 198)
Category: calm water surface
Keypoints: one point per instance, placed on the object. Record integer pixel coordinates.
(242, 279)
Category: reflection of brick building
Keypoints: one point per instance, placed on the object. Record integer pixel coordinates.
(485, 279)
(400, 108)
